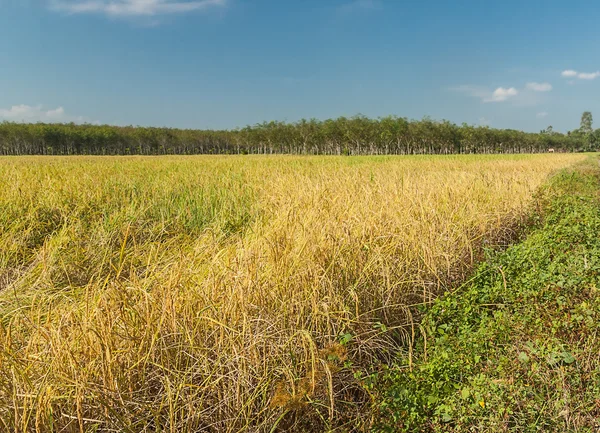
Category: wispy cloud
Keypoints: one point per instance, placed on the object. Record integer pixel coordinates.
(541, 114)
(539, 87)
(474, 91)
(131, 8)
(588, 75)
(357, 5)
(531, 94)
(37, 113)
(500, 94)
(570, 73)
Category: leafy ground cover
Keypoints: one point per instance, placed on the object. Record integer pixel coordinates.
(517, 347)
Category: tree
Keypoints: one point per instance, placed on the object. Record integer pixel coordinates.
(594, 138)
(548, 131)
(586, 123)
(352, 136)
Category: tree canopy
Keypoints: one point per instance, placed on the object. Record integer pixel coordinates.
(358, 135)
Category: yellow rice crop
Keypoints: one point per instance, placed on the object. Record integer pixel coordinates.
(229, 293)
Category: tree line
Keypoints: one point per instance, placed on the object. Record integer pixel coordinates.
(358, 135)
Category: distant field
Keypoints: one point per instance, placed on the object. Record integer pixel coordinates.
(230, 293)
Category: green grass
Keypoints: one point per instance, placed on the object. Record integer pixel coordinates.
(518, 347)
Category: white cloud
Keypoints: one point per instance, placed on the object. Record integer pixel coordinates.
(133, 7)
(530, 94)
(569, 73)
(581, 75)
(588, 75)
(484, 122)
(502, 94)
(28, 113)
(56, 113)
(541, 115)
(539, 87)
(485, 94)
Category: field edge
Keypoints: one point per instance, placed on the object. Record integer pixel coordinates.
(515, 348)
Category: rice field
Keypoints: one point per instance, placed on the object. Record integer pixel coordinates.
(231, 293)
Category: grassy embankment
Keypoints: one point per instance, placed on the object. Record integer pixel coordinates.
(518, 347)
(226, 293)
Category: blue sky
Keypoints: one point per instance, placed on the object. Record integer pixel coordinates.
(227, 63)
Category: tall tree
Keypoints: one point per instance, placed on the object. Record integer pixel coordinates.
(586, 123)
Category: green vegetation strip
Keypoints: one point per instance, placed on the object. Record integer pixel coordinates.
(518, 347)
(358, 135)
